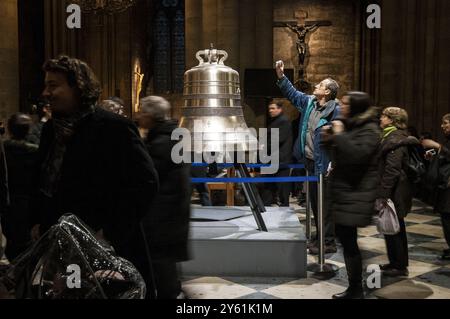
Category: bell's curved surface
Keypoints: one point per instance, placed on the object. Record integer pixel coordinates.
(212, 109)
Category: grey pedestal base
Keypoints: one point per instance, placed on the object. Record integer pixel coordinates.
(224, 242)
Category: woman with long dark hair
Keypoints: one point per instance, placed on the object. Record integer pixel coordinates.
(353, 142)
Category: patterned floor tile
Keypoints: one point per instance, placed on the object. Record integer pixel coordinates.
(339, 256)
(422, 210)
(339, 262)
(368, 231)
(418, 205)
(416, 268)
(372, 244)
(427, 255)
(258, 295)
(439, 277)
(308, 288)
(435, 222)
(259, 283)
(340, 278)
(412, 289)
(438, 244)
(420, 219)
(215, 288)
(416, 239)
(410, 224)
(379, 260)
(429, 230)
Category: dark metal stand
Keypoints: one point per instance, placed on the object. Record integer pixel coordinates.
(252, 195)
(321, 270)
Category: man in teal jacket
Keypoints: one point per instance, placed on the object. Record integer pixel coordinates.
(317, 111)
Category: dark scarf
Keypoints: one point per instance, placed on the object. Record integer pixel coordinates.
(64, 129)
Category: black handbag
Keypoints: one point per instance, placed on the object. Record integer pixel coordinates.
(432, 175)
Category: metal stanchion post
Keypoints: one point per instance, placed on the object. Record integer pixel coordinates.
(321, 269)
(308, 208)
(320, 221)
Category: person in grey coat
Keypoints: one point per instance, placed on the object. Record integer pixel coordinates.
(353, 143)
(166, 226)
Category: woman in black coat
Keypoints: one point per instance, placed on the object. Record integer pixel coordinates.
(353, 143)
(167, 224)
(21, 159)
(395, 184)
(442, 203)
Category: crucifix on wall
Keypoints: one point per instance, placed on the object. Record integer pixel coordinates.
(302, 28)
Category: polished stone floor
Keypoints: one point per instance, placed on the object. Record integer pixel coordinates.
(429, 277)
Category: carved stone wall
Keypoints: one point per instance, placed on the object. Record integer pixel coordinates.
(333, 50)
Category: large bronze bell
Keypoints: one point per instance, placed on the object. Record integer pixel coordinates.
(212, 109)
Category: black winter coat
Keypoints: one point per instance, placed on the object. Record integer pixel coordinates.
(21, 160)
(442, 204)
(393, 162)
(4, 194)
(354, 179)
(282, 123)
(107, 178)
(167, 225)
(35, 133)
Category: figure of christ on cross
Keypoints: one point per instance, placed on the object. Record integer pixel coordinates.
(302, 28)
(302, 31)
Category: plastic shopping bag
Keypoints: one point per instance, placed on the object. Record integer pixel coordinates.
(387, 221)
(45, 271)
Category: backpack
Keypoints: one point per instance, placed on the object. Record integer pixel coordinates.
(415, 169)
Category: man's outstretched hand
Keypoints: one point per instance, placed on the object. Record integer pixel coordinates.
(279, 66)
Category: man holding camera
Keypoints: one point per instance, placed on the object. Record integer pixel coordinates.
(317, 111)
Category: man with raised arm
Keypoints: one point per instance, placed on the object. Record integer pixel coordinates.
(317, 111)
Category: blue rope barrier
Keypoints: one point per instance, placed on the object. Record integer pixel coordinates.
(226, 165)
(255, 180)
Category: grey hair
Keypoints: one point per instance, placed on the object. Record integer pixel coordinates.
(157, 107)
(333, 86)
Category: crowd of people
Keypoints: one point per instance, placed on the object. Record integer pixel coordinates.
(86, 158)
(92, 162)
(366, 155)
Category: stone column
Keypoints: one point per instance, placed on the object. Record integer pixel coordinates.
(209, 25)
(264, 34)
(248, 40)
(194, 31)
(228, 30)
(9, 59)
